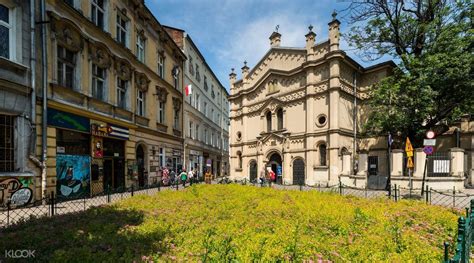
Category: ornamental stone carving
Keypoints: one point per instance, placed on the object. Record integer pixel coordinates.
(66, 33)
(142, 81)
(99, 54)
(176, 103)
(161, 94)
(123, 68)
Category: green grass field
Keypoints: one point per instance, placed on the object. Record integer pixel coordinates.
(222, 223)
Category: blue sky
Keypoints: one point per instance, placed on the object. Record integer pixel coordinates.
(227, 32)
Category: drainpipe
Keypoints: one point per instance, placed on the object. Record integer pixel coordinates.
(33, 83)
(355, 124)
(44, 182)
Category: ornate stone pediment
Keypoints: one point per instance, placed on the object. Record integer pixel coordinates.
(99, 54)
(123, 68)
(142, 81)
(161, 94)
(176, 103)
(67, 33)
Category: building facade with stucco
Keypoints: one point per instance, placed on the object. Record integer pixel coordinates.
(294, 110)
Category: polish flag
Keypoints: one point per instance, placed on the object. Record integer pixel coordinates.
(188, 90)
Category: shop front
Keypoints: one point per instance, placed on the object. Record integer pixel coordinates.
(195, 160)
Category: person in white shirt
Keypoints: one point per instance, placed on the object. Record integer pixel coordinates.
(191, 176)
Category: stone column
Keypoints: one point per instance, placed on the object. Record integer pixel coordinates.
(419, 159)
(397, 163)
(457, 162)
(363, 161)
(346, 163)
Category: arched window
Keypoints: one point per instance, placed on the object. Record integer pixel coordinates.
(239, 157)
(280, 118)
(269, 121)
(322, 155)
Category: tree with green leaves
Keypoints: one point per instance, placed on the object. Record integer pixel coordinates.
(432, 43)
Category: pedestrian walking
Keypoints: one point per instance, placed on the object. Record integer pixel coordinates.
(184, 177)
(172, 178)
(191, 176)
(208, 177)
(166, 176)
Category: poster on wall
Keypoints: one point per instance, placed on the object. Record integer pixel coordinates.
(73, 175)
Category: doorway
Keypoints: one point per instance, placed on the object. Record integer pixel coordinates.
(275, 163)
(253, 171)
(298, 172)
(114, 164)
(141, 165)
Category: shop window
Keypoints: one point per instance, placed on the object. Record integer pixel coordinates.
(98, 82)
(98, 13)
(66, 67)
(7, 146)
(71, 142)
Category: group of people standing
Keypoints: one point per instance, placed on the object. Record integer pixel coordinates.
(192, 176)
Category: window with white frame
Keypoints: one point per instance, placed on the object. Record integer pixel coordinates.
(122, 86)
(122, 29)
(212, 115)
(176, 80)
(66, 66)
(141, 47)
(206, 140)
(161, 157)
(196, 136)
(161, 66)
(191, 99)
(161, 112)
(98, 82)
(218, 119)
(98, 13)
(140, 102)
(198, 75)
(191, 134)
(198, 107)
(7, 27)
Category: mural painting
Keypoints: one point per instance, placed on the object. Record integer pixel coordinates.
(15, 190)
(73, 173)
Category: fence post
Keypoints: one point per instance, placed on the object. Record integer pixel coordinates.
(108, 193)
(446, 254)
(132, 190)
(8, 212)
(396, 193)
(84, 203)
(340, 187)
(461, 238)
(159, 185)
(365, 190)
(426, 193)
(454, 196)
(52, 203)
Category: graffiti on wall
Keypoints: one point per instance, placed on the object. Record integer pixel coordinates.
(15, 190)
(73, 174)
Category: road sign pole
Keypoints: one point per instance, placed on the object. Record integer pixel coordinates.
(424, 176)
(410, 182)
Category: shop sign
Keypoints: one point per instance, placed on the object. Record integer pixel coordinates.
(107, 130)
(208, 162)
(66, 120)
(193, 152)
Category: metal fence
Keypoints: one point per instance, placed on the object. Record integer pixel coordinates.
(462, 252)
(55, 205)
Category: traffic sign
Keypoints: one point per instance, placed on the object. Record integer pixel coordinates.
(430, 134)
(429, 142)
(408, 146)
(410, 163)
(428, 150)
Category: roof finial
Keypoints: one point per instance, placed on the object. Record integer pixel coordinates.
(232, 70)
(245, 63)
(276, 28)
(310, 28)
(334, 14)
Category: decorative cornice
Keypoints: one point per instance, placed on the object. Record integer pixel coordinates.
(99, 54)
(66, 33)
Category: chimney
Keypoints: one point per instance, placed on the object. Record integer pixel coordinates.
(310, 40)
(334, 33)
(232, 78)
(275, 38)
(245, 71)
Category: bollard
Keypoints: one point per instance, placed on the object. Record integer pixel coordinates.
(108, 193)
(132, 190)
